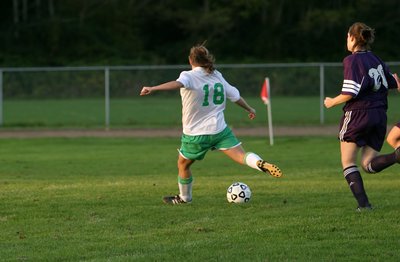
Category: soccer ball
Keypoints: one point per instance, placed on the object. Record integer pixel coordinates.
(238, 192)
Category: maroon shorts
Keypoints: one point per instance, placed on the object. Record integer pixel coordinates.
(364, 127)
(398, 124)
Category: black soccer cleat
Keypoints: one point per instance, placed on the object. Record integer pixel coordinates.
(364, 209)
(175, 200)
(271, 169)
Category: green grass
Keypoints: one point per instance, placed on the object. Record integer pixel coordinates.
(99, 199)
(164, 112)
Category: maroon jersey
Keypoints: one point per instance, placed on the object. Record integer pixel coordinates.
(367, 79)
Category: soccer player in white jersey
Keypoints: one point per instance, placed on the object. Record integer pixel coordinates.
(204, 93)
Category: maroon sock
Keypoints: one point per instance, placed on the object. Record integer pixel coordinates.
(356, 184)
(381, 162)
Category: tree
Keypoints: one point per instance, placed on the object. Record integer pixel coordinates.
(85, 32)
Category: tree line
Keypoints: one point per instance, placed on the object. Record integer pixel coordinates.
(127, 32)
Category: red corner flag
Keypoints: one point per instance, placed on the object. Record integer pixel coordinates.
(265, 91)
(265, 96)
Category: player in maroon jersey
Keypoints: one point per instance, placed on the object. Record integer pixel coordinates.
(363, 125)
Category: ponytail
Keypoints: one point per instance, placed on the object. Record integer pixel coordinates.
(200, 55)
(363, 34)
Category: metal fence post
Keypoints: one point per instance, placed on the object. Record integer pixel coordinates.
(321, 92)
(107, 96)
(1, 97)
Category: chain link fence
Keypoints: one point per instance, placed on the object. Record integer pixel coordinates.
(82, 95)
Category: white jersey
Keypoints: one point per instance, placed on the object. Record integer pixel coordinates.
(203, 101)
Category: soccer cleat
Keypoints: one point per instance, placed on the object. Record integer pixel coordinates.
(271, 169)
(364, 209)
(175, 200)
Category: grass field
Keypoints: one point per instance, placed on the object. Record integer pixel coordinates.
(99, 199)
(164, 112)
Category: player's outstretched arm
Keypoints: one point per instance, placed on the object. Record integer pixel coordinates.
(396, 77)
(242, 103)
(172, 85)
(331, 102)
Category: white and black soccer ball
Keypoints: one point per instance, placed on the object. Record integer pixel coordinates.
(238, 192)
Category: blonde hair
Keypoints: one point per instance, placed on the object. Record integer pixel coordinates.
(363, 34)
(200, 55)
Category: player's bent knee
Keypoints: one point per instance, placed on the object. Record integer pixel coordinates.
(184, 163)
(367, 168)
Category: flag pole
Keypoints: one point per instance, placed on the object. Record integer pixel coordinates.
(265, 96)
(271, 134)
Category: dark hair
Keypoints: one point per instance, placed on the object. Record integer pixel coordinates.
(200, 55)
(363, 34)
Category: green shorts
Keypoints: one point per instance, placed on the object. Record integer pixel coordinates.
(196, 147)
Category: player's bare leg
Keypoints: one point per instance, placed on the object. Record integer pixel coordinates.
(393, 140)
(184, 183)
(238, 154)
(393, 137)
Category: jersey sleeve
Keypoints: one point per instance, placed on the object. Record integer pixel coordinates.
(185, 79)
(391, 80)
(351, 82)
(232, 93)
